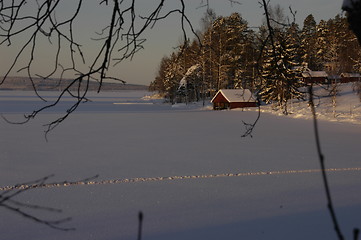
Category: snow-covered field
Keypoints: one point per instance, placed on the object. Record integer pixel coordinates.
(185, 167)
(345, 108)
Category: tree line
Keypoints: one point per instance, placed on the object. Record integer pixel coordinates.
(228, 53)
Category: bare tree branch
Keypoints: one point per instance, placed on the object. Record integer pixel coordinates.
(122, 37)
(250, 126)
(9, 202)
(323, 168)
(140, 225)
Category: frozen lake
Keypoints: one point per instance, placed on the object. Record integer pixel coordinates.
(174, 164)
(21, 102)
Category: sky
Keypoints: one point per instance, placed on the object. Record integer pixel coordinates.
(166, 34)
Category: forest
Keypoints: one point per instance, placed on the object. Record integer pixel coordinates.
(229, 54)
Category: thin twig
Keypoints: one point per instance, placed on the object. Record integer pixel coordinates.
(122, 35)
(250, 126)
(323, 168)
(8, 201)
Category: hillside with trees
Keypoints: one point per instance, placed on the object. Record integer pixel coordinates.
(231, 54)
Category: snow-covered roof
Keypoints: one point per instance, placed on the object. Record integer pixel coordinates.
(236, 95)
(315, 74)
(350, 75)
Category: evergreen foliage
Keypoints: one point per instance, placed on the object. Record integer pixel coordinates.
(231, 55)
(280, 69)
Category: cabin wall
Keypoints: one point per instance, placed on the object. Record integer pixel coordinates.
(220, 105)
(242, 104)
(316, 80)
(349, 79)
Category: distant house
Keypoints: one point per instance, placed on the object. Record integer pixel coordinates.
(350, 77)
(315, 77)
(233, 98)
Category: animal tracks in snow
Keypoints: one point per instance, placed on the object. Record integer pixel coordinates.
(170, 178)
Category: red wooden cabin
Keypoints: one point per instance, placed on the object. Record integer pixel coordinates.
(233, 98)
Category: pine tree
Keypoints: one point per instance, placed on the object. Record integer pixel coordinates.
(281, 78)
(239, 52)
(321, 45)
(349, 48)
(159, 82)
(174, 72)
(229, 38)
(308, 43)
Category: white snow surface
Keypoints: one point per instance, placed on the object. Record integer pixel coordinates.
(347, 106)
(175, 164)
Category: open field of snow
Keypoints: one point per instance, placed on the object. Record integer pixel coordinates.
(185, 167)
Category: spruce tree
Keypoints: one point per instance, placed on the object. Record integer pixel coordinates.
(308, 43)
(281, 77)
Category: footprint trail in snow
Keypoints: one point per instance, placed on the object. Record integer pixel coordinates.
(170, 178)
